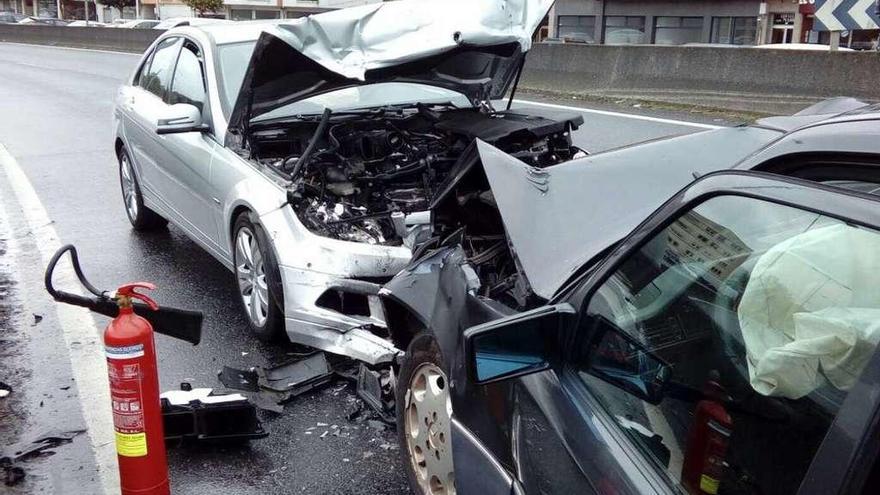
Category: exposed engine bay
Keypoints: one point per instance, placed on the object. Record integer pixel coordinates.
(408, 176)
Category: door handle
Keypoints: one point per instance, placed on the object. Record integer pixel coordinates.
(216, 200)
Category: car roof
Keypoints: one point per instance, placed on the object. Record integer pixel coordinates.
(223, 33)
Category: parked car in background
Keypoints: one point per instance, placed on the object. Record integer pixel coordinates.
(188, 21)
(45, 21)
(611, 322)
(82, 23)
(11, 17)
(138, 24)
(309, 177)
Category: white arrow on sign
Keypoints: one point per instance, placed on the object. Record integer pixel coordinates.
(859, 13)
(825, 15)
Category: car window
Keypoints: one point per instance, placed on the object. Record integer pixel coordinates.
(233, 61)
(157, 76)
(761, 316)
(189, 78)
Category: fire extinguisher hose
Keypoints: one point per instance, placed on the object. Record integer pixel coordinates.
(177, 323)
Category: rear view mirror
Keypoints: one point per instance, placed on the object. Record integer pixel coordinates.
(620, 360)
(180, 117)
(516, 346)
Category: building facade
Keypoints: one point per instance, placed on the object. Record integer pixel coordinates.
(676, 22)
(241, 10)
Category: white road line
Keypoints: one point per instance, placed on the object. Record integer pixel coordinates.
(622, 115)
(81, 335)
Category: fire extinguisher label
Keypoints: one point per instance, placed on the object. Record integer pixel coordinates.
(709, 484)
(125, 352)
(128, 411)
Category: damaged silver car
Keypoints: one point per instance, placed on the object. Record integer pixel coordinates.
(305, 154)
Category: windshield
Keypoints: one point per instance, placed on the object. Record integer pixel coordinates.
(234, 59)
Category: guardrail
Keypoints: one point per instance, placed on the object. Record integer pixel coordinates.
(118, 39)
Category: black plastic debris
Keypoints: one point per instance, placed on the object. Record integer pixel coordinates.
(198, 414)
(12, 473)
(239, 379)
(5, 390)
(41, 446)
(270, 388)
(296, 377)
(376, 389)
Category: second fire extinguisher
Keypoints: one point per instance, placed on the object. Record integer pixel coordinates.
(708, 438)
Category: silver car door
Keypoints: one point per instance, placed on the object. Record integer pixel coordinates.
(143, 105)
(190, 153)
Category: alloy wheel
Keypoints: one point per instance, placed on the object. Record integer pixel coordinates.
(129, 189)
(251, 276)
(427, 421)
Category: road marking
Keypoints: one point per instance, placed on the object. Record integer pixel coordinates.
(81, 335)
(623, 115)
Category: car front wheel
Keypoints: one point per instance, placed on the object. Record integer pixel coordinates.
(141, 217)
(258, 279)
(424, 415)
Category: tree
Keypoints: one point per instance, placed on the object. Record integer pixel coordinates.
(202, 6)
(117, 4)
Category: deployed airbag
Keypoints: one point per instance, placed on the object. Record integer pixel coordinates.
(810, 313)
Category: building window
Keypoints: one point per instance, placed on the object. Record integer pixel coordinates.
(624, 30)
(241, 15)
(678, 30)
(734, 30)
(267, 14)
(576, 27)
(247, 15)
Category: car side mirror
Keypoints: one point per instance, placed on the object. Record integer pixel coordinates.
(619, 359)
(180, 117)
(519, 345)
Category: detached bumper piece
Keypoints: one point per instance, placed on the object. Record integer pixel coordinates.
(271, 388)
(198, 414)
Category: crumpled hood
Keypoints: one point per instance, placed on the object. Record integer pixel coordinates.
(474, 47)
(558, 218)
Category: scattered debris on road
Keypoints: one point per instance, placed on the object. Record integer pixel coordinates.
(4, 390)
(14, 473)
(270, 388)
(199, 414)
(376, 388)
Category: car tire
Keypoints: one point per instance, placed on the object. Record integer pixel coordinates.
(258, 279)
(424, 411)
(141, 217)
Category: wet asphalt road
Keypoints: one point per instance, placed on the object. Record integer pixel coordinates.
(55, 119)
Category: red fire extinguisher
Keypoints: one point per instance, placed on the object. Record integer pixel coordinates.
(133, 374)
(134, 395)
(707, 442)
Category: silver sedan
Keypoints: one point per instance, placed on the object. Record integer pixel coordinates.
(309, 177)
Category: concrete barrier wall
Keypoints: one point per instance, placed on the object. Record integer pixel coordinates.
(695, 74)
(126, 40)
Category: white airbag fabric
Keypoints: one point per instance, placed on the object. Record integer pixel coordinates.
(811, 311)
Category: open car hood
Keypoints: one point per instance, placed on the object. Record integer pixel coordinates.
(474, 47)
(559, 218)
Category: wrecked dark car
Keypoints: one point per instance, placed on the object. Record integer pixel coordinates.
(610, 324)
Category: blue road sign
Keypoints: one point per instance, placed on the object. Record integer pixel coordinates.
(846, 15)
